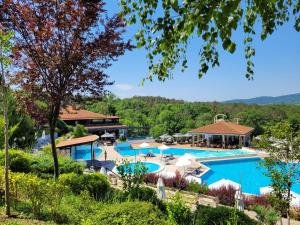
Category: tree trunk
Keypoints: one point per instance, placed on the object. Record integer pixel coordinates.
(5, 109)
(54, 153)
(52, 124)
(288, 209)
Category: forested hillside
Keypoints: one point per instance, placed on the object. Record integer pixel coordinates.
(263, 100)
(159, 115)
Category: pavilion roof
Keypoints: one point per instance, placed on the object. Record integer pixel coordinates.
(70, 113)
(224, 127)
(78, 141)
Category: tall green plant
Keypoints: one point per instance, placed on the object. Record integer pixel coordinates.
(282, 142)
(5, 50)
(266, 215)
(132, 178)
(79, 131)
(178, 212)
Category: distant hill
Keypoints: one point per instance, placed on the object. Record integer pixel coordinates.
(264, 100)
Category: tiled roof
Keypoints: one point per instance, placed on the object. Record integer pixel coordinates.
(69, 113)
(78, 141)
(223, 127)
(106, 127)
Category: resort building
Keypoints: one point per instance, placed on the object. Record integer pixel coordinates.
(222, 134)
(95, 123)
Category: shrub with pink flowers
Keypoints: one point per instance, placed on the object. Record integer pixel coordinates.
(224, 193)
(174, 182)
(254, 200)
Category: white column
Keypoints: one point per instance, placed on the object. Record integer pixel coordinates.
(223, 141)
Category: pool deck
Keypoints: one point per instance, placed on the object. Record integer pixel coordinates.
(188, 146)
(169, 167)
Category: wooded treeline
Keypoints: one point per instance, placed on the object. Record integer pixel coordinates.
(161, 115)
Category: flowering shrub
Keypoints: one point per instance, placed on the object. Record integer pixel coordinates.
(173, 182)
(151, 178)
(225, 194)
(255, 200)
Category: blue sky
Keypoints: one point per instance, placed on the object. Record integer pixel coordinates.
(277, 70)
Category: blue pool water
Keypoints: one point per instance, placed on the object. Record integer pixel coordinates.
(83, 152)
(247, 172)
(125, 150)
(150, 167)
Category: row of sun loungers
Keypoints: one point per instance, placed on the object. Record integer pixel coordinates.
(194, 172)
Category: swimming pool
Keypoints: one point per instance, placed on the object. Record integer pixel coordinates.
(247, 172)
(150, 167)
(125, 150)
(83, 152)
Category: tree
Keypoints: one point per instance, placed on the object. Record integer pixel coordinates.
(5, 50)
(79, 131)
(167, 26)
(132, 176)
(61, 53)
(282, 142)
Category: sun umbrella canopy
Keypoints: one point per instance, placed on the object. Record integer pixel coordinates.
(183, 162)
(165, 136)
(144, 145)
(265, 190)
(295, 198)
(103, 170)
(163, 147)
(295, 202)
(224, 183)
(167, 174)
(194, 179)
(187, 156)
(178, 135)
(108, 135)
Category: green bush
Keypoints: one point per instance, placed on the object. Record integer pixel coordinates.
(219, 216)
(266, 215)
(197, 188)
(38, 194)
(74, 209)
(178, 212)
(19, 161)
(43, 164)
(137, 213)
(142, 194)
(96, 184)
(40, 164)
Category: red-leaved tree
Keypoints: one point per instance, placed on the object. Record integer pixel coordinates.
(61, 52)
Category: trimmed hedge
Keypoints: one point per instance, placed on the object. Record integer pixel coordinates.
(219, 216)
(137, 213)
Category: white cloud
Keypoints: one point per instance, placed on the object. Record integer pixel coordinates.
(124, 87)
